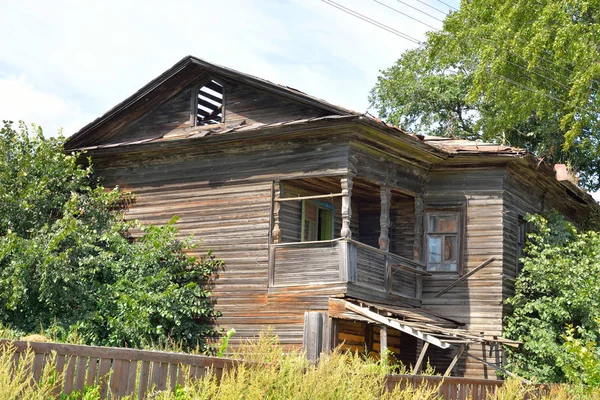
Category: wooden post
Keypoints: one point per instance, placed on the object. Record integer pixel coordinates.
(346, 183)
(383, 342)
(384, 237)
(276, 233)
(421, 357)
(454, 360)
(384, 219)
(418, 242)
(317, 334)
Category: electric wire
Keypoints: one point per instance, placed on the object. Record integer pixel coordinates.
(371, 21)
(406, 15)
(421, 11)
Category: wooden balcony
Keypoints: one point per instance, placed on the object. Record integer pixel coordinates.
(344, 261)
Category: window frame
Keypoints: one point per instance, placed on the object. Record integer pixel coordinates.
(459, 213)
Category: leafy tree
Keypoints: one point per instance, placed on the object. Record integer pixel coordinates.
(557, 289)
(524, 73)
(67, 258)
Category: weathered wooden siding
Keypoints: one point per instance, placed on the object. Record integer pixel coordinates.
(242, 104)
(477, 302)
(304, 265)
(370, 268)
(246, 104)
(222, 194)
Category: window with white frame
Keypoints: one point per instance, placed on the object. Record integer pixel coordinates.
(443, 240)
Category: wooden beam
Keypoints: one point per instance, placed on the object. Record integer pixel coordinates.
(461, 349)
(212, 85)
(317, 196)
(383, 342)
(420, 359)
(392, 323)
(464, 277)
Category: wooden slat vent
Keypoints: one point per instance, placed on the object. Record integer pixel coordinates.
(210, 104)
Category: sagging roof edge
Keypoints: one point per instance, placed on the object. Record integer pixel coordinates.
(272, 87)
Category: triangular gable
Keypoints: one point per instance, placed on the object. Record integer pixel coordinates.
(166, 104)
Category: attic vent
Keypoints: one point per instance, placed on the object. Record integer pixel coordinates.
(210, 104)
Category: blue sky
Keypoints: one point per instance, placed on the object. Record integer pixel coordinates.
(64, 63)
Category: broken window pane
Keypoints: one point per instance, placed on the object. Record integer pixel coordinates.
(450, 248)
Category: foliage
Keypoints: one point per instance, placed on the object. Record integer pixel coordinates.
(558, 287)
(524, 73)
(68, 260)
(225, 342)
(585, 366)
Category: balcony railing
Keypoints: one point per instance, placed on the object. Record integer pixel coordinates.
(344, 261)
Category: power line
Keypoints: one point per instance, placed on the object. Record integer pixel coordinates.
(406, 15)
(542, 93)
(421, 11)
(432, 7)
(371, 21)
(447, 5)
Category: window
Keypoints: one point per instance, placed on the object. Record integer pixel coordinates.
(522, 231)
(208, 104)
(317, 220)
(443, 241)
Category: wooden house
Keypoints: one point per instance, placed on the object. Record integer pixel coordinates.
(335, 227)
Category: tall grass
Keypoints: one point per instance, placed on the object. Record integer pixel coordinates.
(16, 380)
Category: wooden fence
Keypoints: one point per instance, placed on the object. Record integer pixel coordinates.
(450, 388)
(119, 372)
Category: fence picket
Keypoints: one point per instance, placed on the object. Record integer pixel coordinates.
(144, 375)
(104, 376)
(81, 373)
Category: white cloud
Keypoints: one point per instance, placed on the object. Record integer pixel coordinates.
(20, 100)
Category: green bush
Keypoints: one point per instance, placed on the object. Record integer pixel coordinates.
(67, 259)
(558, 287)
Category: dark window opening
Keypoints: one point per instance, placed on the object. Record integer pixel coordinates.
(209, 104)
(317, 220)
(523, 229)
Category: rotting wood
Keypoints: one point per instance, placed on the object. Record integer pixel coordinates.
(396, 325)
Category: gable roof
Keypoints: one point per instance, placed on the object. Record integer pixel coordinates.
(191, 67)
